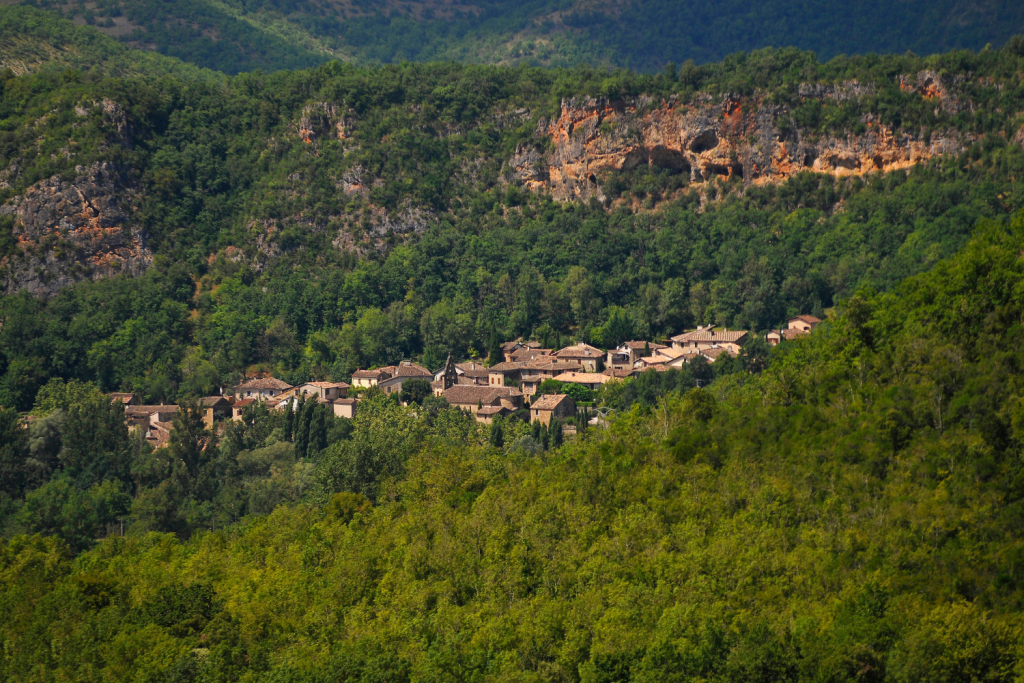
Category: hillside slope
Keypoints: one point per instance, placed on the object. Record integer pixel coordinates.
(232, 35)
(853, 514)
(317, 221)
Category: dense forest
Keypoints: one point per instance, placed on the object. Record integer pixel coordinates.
(851, 513)
(243, 35)
(844, 506)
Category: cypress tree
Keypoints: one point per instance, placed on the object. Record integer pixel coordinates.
(555, 432)
(497, 434)
(289, 421)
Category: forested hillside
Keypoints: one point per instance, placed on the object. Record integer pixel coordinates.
(243, 35)
(853, 513)
(845, 506)
(309, 223)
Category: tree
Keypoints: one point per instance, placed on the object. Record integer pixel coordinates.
(190, 440)
(494, 352)
(497, 438)
(415, 390)
(13, 453)
(555, 432)
(94, 442)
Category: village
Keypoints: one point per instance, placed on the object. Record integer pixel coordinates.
(507, 388)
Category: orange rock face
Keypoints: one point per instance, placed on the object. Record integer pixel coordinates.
(709, 139)
(73, 230)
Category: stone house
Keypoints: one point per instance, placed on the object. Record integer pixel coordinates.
(325, 390)
(238, 407)
(533, 374)
(552, 406)
(628, 353)
(708, 337)
(148, 415)
(344, 407)
(472, 398)
(124, 399)
(262, 388)
(364, 379)
(587, 356)
(804, 323)
(216, 408)
(488, 413)
(406, 370)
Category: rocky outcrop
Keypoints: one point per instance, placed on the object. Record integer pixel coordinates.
(69, 230)
(713, 138)
(323, 119)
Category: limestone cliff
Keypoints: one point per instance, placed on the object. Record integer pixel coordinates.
(710, 138)
(68, 230)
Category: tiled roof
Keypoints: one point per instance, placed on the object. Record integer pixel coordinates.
(412, 370)
(552, 365)
(122, 397)
(326, 385)
(548, 402)
(149, 410)
(369, 374)
(241, 403)
(528, 354)
(464, 394)
(263, 383)
(493, 410)
(616, 373)
(505, 367)
(715, 352)
(711, 336)
(583, 377)
(344, 401)
(807, 319)
(580, 351)
(639, 345)
(213, 401)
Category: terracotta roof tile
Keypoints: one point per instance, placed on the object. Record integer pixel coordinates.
(548, 402)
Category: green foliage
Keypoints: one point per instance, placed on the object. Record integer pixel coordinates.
(415, 390)
(271, 35)
(851, 513)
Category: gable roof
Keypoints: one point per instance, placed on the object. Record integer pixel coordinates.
(639, 345)
(552, 365)
(216, 401)
(810, 319)
(580, 350)
(465, 394)
(263, 383)
(370, 374)
(410, 369)
(711, 336)
(507, 366)
(549, 401)
(325, 385)
(493, 410)
(529, 354)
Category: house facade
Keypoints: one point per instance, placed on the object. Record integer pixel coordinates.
(709, 337)
(405, 371)
(216, 408)
(364, 379)
(261, 389)
(587, 356)
(550, 407)
(325, 390)
(344, 407)
(472, 398)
